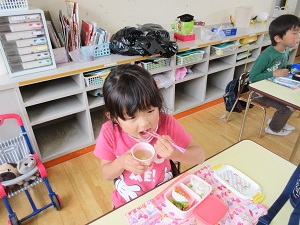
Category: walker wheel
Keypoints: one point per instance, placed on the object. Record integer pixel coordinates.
(13, 221)
(56, 202)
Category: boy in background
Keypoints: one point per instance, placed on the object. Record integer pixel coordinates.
(273, 62)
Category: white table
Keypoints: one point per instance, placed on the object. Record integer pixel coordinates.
(270, 171)
(277, 92)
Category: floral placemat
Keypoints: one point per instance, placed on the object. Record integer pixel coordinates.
(240, 212)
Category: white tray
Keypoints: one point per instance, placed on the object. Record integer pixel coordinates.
(238, 183)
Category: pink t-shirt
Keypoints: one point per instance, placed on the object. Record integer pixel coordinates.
(113, 142)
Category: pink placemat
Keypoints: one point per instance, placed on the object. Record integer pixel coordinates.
(240, 211)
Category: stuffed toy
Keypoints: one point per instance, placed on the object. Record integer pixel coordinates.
(25, 165)
(8, 171)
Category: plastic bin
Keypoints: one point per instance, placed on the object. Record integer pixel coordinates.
(189, 57)
(96, 77)
(223, 48)
(9, 5)
(156, 63)
(102, 49)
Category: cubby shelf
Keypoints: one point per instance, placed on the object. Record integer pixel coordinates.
(63, 136)
(61, 116)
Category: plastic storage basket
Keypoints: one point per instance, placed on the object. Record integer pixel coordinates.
(224, 48)
(13, 5)
(189, 57)
(156, 63)
(102, 49)
(96, 77)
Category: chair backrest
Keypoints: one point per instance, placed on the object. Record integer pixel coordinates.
(175, 169)
(243, 83)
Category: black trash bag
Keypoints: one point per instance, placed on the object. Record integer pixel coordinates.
(124, 42)
(148, 39)
(186, 18)
(165, 47)
(155, 30)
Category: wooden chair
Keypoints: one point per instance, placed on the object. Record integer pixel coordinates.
(242, 82)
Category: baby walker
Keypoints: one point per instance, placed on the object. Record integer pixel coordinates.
(20, 170)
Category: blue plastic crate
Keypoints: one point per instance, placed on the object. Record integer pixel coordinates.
(102, 49)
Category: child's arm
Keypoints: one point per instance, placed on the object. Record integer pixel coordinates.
(281, 73)
(193, 154)
(257, 72)
(113, 169)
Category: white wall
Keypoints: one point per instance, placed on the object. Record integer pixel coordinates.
(113, 15)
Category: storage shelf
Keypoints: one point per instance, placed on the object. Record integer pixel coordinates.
(184, 101)
(193, 63)
(161, 70)
(168, 95)
(191, 76)
(189, 94)
(95, 101)
(62, 117)
(244, 49)
(49, 90)
(218, 66)
(62, 137)
(93, 87)
(243, 61)
(214, 56)
(213, 93)
(97, 118)
(54, 109)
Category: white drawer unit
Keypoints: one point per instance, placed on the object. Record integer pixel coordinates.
(25, 43)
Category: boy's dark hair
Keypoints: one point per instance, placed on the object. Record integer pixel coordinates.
(128, 89)
(281, 25)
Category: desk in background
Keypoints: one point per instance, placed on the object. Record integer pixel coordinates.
(270, 171)
(277, 92)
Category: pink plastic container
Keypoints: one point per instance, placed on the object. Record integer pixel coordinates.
(195, 188)
(211, 210)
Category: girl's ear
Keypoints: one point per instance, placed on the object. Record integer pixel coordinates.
(107, 114)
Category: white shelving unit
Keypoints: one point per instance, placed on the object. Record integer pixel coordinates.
(61, 117)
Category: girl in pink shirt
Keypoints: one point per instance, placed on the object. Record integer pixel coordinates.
(134, 105)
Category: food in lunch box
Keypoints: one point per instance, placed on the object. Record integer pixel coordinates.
(200, 188)
(183, 206)
(179, 195)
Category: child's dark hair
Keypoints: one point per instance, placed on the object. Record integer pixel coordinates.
(281, 25)
(128, 89)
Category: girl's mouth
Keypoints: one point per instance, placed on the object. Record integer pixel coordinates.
(144, 134)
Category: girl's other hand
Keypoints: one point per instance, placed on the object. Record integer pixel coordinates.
(164, 148)
(281, 73)
(131, 164)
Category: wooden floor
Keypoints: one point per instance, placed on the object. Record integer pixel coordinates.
(86, 195)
